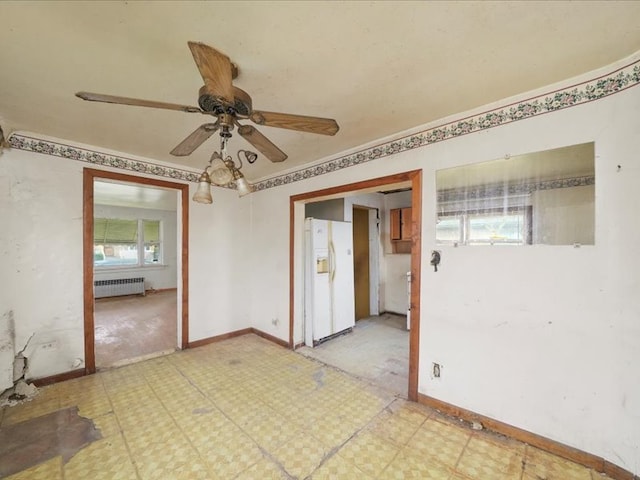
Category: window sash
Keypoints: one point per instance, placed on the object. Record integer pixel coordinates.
(467, 223)
(127, 243)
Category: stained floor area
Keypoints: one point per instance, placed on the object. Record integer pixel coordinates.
(134, 327)
(376, 350)
(246, 408)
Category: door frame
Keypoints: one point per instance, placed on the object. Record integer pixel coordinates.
(89, 175)
(414, 177)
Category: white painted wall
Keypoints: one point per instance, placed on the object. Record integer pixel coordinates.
(541, 337)
(156, 277)
(7, 349)
(564, 216)
(7, 331)
(41, 274)
(219, 264)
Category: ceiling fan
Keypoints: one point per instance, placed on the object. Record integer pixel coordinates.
(228, 104)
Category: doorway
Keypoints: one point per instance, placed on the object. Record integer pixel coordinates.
(411, 180)
(135, 272)
(178, 327)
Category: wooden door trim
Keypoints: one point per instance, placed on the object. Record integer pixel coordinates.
(415, 177)
(89, 175)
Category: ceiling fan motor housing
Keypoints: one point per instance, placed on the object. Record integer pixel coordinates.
(217, 105)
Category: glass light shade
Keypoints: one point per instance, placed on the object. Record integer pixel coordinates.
(219, 170)
(221, 175)
(244, 188)
(203, 194)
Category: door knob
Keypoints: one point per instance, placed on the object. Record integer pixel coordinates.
(435, 259)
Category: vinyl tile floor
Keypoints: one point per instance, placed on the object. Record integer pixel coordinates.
(245, 408)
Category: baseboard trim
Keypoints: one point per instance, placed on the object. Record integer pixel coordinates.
(60, 377)
(565, 451)
(219, 338)
(400, 314)
(271, 338)
(238, 333)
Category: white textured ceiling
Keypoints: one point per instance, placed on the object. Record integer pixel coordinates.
(120, 194)
(376, 67)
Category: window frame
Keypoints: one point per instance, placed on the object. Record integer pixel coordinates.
(466, 215)
(140, 246)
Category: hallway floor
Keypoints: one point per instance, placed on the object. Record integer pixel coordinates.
(376, 350)
(245, 408)
(135, 327)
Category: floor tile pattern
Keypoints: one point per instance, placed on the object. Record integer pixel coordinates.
(247, 409)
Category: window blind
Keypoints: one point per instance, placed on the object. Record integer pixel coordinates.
(115, 230)
(151, 231)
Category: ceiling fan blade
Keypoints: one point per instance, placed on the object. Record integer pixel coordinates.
(262, 143)
(98, 97)
(216, 70)
(193, 141)
(323, 126)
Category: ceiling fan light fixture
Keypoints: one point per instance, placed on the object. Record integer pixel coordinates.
(243, 187)
(249, 156)
(203, 193)
(219, 171)
(221, 176)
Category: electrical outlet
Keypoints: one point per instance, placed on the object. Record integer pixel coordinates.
(436, 370)
(275, 322)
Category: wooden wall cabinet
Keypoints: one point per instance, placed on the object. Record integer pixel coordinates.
(400, 230)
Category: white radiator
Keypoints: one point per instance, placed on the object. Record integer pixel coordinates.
(119, 286)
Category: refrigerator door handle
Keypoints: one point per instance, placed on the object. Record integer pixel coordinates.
(332, 262)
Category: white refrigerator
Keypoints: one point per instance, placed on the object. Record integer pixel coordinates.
(329, 292)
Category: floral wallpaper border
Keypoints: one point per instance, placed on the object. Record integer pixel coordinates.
(588, 91)
(499, 190)
(48, 147)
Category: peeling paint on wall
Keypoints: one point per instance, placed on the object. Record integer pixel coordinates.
(20, 390)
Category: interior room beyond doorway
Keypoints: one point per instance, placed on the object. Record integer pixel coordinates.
(380, 347)
(134, 327)
(135, 272)
(377, 350)
(135, 238)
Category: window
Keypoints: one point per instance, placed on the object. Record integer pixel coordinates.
(151, 239)
(539, 198)
(487, 227)
(122, 242)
